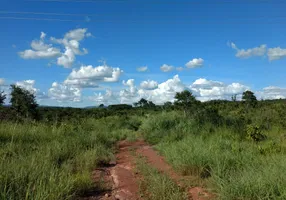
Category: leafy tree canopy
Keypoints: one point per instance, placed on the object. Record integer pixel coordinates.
(23, 102)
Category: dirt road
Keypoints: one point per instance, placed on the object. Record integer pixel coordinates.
(122, 178)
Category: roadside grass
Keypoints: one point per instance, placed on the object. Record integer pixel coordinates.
(154, 185)
(54, 161)
(232, 166)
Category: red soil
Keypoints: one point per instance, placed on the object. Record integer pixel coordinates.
(123, 180)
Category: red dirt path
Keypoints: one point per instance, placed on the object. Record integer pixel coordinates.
(123, 180)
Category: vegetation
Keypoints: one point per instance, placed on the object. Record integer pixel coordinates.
(2, 98)
(235, 148)
(157, 186)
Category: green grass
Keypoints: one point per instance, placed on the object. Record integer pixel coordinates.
(157, 186)
(40, 161)
(232, 166)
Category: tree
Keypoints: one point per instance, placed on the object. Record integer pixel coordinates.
(167, 105)
(23, 102)
(234, 97)
(101, 105)
(2, 98)
(249, 98)
(143, 103)
(186, 100)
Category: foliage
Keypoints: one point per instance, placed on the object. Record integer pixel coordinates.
(157, 186)
(143, 103)
(23, 102)
(53, 162)
(249, 98)
(2, 98)
(186, 100)
(254, 133)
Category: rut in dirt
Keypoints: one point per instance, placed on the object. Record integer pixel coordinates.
(122, 178)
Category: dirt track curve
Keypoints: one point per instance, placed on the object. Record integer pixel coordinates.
(120, 175)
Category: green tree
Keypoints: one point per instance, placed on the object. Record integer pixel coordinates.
(249, 98)
(234, 97)
(2, 98)
(23, 102)
(186, 100)
(101, 105)
(167, 105)
(141, 103)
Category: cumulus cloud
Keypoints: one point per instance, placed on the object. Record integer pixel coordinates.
(40, 50)
(165, 91)
(30, 86)
(66, 56)
(108, 98)
(142, 69)
(89, 76)
(247, 53)
(129, 95)
(276, 53)
(208, 90)
(196, 62)
(272, 92)
(63, 93)
(43, 35)
(149, 85)
(166, 68)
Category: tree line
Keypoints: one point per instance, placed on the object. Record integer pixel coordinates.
(23, 106)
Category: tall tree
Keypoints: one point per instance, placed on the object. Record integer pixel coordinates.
(143, 103)
(23, 102)
(186, 100)
(249, 98)
(2, 98)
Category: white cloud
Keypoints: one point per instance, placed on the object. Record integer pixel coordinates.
(66, 55)
(196, 62)
(142, 69)
(67, 59)
(166, 68)
(164, 92)
(30, 86)
(31, 54)
(89, 76)
(247, 53)
(40, 50)
(272, 92)
(77, 34)
(149, 85)
(63, 93)
(276, 53)
(108, 98)
(43, 35)
(208, 90)
(129, 95)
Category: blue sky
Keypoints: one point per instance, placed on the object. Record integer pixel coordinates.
(230, 46)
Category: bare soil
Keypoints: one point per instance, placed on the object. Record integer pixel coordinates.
(122, 178)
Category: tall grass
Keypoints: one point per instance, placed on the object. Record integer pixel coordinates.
(157, 186)
(40, 161)
(234, 167)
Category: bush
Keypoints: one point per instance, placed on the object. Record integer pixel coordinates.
(254, 133)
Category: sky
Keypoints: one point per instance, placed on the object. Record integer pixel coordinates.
(87, 52)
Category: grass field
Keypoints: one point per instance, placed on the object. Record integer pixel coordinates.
(39, 161)
(54, 161)
(233, 167)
